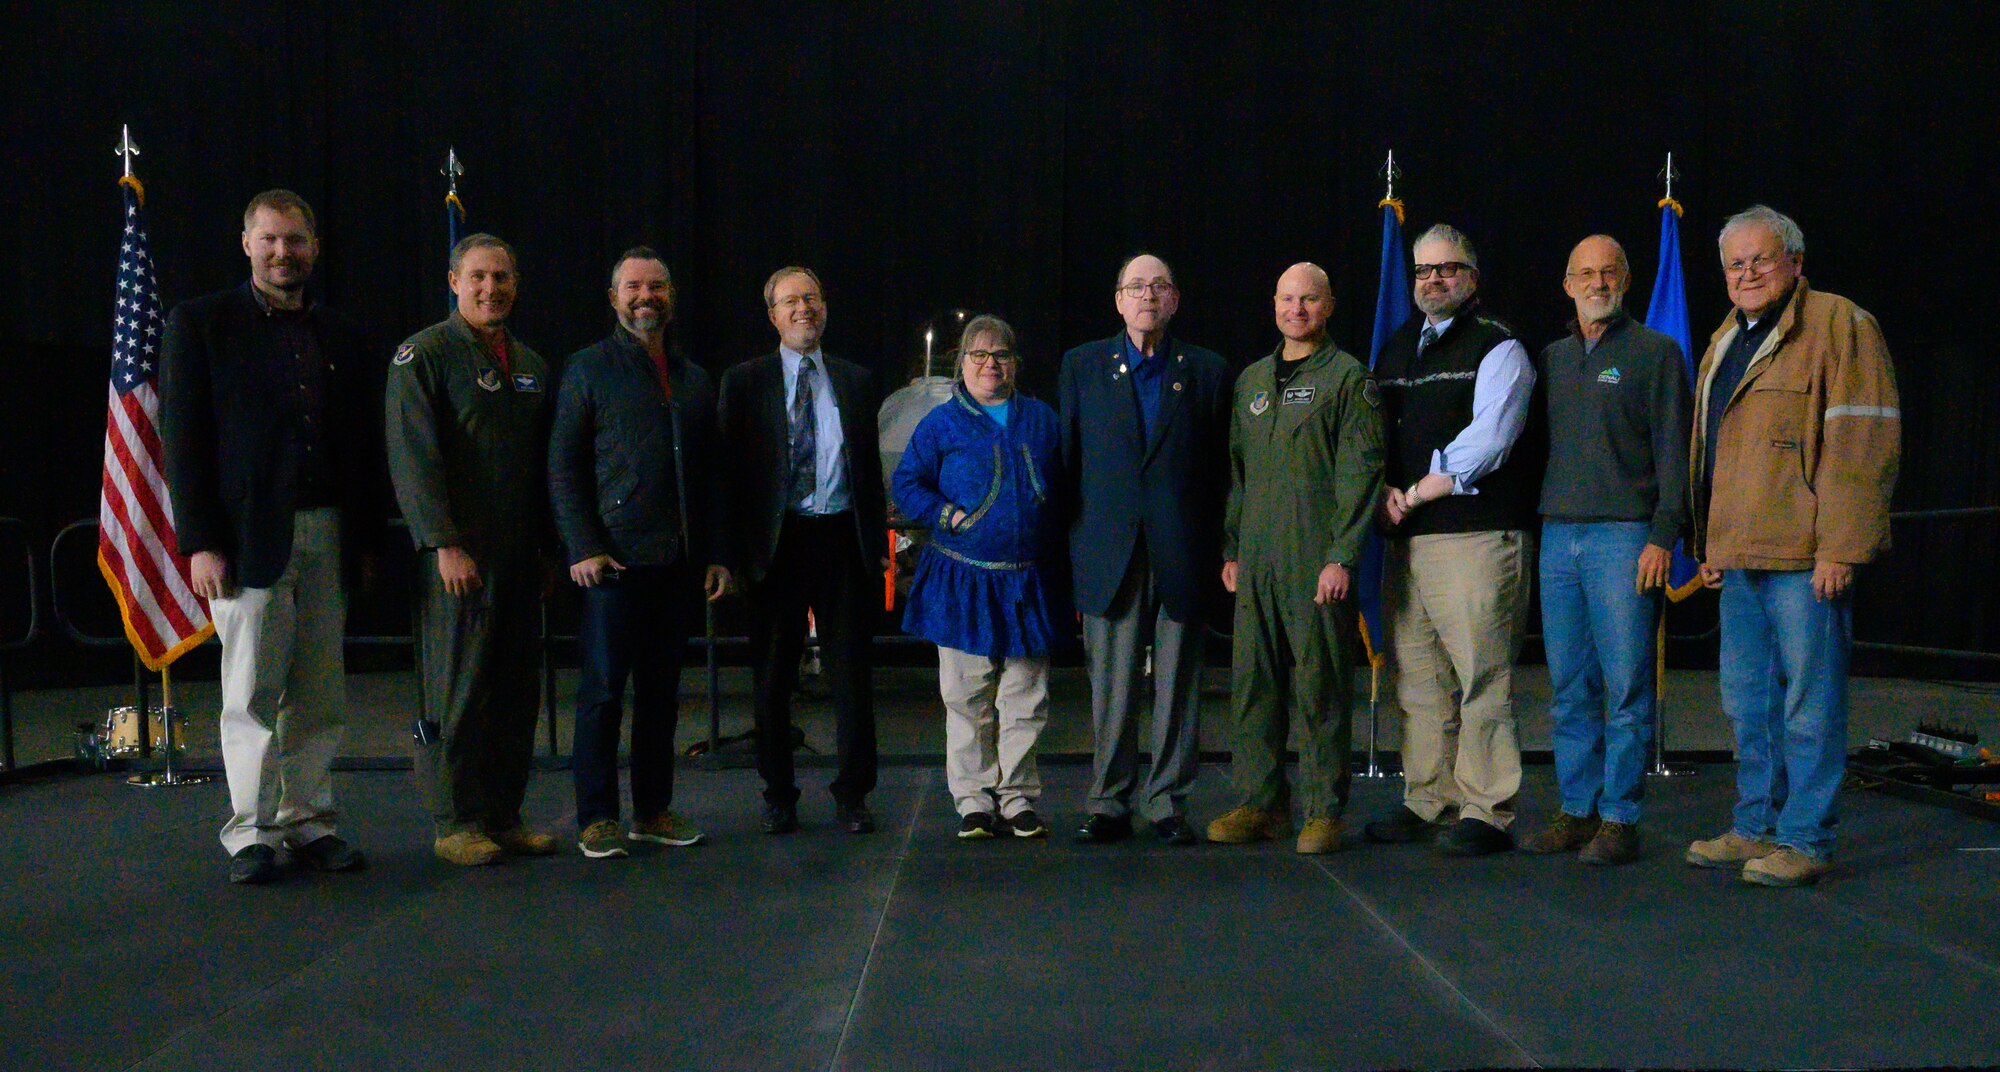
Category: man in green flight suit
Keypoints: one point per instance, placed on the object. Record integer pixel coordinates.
(1305, 453)
(468, 408)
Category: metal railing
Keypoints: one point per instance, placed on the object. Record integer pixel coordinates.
(1963, 513)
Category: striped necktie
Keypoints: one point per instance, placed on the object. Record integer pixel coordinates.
(805, 436)
(1425, 340)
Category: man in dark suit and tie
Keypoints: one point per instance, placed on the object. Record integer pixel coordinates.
(808, 524)
(1145, 438)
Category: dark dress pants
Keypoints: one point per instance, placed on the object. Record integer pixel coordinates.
(818, 566)
(633, 626)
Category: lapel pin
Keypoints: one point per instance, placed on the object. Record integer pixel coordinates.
(1177, 385)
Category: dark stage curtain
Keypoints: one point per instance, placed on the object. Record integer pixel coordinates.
(1005, 157)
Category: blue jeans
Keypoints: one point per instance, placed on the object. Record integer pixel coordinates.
(1784, 687)
(632, 626)
(1598, 633)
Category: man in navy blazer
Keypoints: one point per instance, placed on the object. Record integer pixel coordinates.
(807, 529)
(1145, 440)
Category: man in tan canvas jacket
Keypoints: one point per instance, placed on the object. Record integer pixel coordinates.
(1797, 437)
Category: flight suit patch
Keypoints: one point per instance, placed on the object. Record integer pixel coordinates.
(405, 354)
(1260, 402)
(1300, 396)
(490, 379)
(1371, 394)
(527, 381)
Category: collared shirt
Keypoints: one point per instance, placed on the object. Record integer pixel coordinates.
(1729, 373)
(300, 338)
(830, 492)
(1500, 399)
(1148, 373)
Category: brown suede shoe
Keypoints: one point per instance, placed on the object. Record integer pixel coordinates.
(1243, 824)
(1567, 834)
(467, 848)
(1731, 850)
(522, 841)
(1321, 836)
(1615, 843)
(1785, 867)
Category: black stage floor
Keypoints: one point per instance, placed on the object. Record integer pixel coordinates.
(910, 950)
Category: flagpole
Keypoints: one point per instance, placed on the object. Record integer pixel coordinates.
(170, 742)
(1371, 552)
(1661, 768)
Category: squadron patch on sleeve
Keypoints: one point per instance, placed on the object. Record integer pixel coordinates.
(1370, 393)
(1260, 402)
(405, 354)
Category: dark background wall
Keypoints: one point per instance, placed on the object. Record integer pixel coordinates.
(1004, 157)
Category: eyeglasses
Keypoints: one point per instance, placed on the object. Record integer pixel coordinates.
(1136, 289)
(1754, 267)
(983, 358)
(793, 301)
(1592, 275)
(1447, 270)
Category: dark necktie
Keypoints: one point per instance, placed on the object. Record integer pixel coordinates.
(805, 436)
(1425, 340)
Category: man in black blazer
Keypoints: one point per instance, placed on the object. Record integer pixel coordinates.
(1145, 437)
(273, 465)
(808, 529)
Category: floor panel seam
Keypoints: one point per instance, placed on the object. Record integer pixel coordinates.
(1903, 934)
(1479, 1011)
(875, 939)
(281, 984)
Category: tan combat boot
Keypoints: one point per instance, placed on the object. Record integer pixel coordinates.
(1244, 824)
(1321, 836)
(1731, 850)
(467, 848)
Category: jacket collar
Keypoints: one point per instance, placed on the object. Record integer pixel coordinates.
(1617, 324)
(1786, 320)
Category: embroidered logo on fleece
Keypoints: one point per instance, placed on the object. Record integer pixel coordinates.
(1609, 376)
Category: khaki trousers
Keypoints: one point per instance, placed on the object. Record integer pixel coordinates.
(1458, 605)
(284, 692)
(994, 711)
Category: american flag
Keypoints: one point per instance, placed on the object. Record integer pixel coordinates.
(135, 540)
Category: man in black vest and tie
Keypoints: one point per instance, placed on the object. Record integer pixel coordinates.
(1457, 389)
(808, 524)
(1145, 435)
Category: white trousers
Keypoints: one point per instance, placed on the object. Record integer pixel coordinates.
(284, 693)
(994, 711)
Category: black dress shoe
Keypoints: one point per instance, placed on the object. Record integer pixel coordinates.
(1400, 828)
(253, 865)
(330, 853)
(781, 818)
(855, 817)
(1105, 829)
(1174, 830)
(1470, 837)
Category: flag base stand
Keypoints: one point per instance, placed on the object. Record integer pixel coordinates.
(169, 776)
(1375, 768)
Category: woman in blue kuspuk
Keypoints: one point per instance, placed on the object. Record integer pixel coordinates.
(978, 474)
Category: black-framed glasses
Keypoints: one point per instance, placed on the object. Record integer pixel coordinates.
(1592, 275)
(1137, 289)
(1754, 267)
(983, 358)
(1445, 270)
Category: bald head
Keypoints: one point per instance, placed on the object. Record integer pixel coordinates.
(1302, 304)
(1596, 280)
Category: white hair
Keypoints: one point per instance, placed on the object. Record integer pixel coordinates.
(1764, 215)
